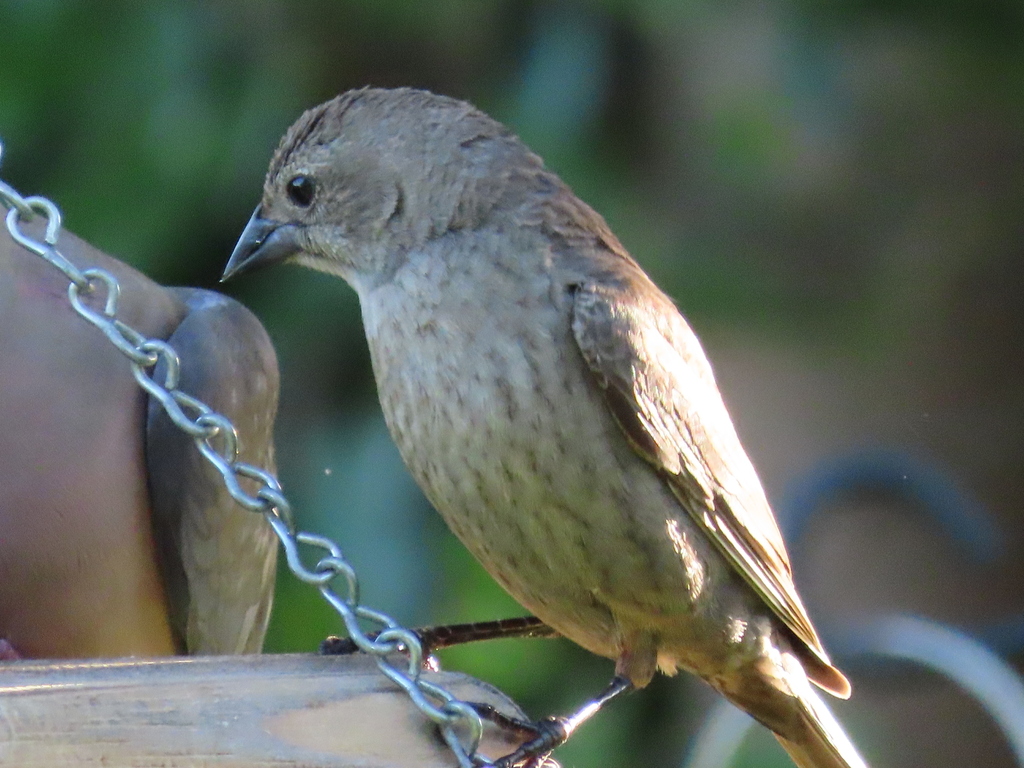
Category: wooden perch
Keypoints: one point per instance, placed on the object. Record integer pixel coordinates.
(303, 711)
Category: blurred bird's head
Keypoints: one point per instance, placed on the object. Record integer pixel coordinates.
(359, 180)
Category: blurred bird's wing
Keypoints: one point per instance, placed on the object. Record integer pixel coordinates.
(217, 558)
(660, 389)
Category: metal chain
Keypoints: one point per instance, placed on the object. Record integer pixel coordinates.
(216, 438)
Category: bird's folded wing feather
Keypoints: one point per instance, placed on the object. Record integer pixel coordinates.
(218, 559)
(662, 393)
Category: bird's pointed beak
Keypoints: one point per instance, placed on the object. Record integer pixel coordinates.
(262, 242)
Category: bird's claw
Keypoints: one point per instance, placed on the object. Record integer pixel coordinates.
(333, 645)
(547, 733)
(539, 761)
(344, 646)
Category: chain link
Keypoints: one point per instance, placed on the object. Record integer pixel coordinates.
(217, 440)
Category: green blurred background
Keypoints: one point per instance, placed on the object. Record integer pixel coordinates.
(831, 191)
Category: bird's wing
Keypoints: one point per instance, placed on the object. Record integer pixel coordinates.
(659, 386)
(218, 559)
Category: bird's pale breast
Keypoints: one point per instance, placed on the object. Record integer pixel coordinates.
(504, 429)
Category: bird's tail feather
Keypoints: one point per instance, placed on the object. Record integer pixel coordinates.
(822, 743)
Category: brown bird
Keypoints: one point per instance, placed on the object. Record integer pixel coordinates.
(551, 402)
(116, 537)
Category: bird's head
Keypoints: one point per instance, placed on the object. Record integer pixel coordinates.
(359, 180)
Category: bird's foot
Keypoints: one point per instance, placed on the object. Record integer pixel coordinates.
(544, 735)
(550, 732)
(333, 645)
(344, 646)
(537, 761)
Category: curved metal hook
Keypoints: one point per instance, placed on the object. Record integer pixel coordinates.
(962, 659)
(964, 519)
(967, 662)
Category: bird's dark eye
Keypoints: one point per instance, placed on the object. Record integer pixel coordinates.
(300, 191)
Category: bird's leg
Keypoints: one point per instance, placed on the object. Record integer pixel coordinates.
(549, 732)
(447, 635)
